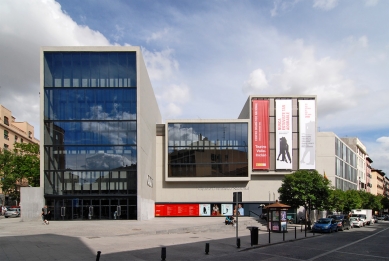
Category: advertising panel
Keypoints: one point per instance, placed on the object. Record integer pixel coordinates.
(227, 210)
(176, 210)
(205, 209)
(260, 134)
(307, 126)
(284, 134)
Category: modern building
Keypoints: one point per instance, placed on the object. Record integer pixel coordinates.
(360, 150)
(202, 162)
(98, 131)
(107, 155)
(337, 160)
(13, 132)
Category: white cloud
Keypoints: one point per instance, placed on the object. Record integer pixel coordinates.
(256, 83)
(158, 35)
(371, 2)
(280, 6)
(302, 73)
(352, 43)
(160, 65)
(325, 4)
(384, 141)
(176, 93)
(172, 111)
(25, 26)
(379, 153)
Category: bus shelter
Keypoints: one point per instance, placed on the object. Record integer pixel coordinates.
(277, 218)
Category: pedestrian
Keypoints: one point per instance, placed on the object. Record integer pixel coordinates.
(3, 210)
(45, 213)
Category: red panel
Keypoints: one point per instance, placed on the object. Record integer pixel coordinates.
(176, 210)
(260, 132)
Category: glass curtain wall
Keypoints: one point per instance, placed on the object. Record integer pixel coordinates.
(207, 149)
(90, 153)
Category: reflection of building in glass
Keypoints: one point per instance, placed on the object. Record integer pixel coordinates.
(92, 134)
(199, 149)
(208, 163)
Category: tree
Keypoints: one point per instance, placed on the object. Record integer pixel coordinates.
(352, 200)
(15, 167)
(306, 188)
(336, 200)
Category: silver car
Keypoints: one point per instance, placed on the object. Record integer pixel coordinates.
(12, 212)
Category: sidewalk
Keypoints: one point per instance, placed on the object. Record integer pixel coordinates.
(183, 237)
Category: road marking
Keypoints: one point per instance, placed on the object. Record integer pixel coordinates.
(334, 250)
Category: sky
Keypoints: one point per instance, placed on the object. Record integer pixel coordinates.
(205, 57)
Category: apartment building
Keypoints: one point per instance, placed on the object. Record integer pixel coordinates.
(12, 132)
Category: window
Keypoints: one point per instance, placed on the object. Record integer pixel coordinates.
(6, 146)
(30, 134)
(6, 121)
(21, 140)
(6, 135)
(16, 138)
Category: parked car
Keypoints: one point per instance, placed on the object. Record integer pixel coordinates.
(325, 225)
(356, 222)
(343, 221)
(12, 212)
(380, 217)
(361, 217)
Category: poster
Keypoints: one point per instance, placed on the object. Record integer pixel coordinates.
(205, 209)
(260, 134)
(216, 209)
(227, 209)
(284, 134)
(307, 126)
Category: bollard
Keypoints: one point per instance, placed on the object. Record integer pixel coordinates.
(305, 230)
(295, 232)
(163, 253)
(98, 255)
(301, 227)
(283, 234)
(206, 248)
(238, 242)
(269, 235)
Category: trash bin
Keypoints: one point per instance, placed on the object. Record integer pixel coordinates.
(253, 235)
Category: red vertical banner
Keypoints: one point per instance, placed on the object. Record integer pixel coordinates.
(260, 134)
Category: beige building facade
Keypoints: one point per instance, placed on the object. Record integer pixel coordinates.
(12, 132)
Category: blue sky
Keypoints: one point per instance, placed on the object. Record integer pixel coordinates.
(205, 57)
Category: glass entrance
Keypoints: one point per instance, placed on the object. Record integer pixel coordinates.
(92, 209)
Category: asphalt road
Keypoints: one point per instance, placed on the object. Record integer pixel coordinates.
(184, 239)
(367, 243)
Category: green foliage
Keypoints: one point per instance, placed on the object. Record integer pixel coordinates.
(385, 203)
(309, 189)
(305, 188)
(336, 200)
(22, 163)
(352, 200)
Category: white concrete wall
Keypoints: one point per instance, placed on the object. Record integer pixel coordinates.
(32, 202)
(325, 155)
(148, 116)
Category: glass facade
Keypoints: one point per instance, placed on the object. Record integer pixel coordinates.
(346, 169)
(207, 150)
(90, 141)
